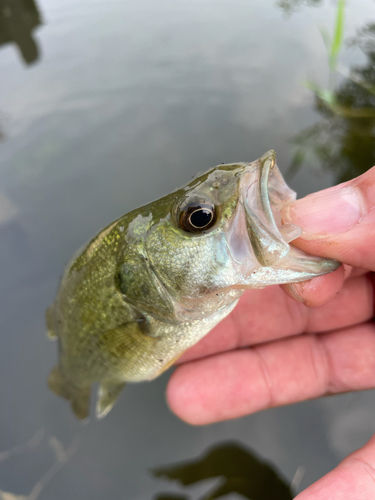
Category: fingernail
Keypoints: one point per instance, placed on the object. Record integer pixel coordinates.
(334, 210)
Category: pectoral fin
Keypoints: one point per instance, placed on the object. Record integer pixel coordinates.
(108, 393)
(50, 322)
(79, 397)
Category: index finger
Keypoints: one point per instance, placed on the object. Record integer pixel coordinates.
(236, 383)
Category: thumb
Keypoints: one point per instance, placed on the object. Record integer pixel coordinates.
(338, 222)
(353, 479)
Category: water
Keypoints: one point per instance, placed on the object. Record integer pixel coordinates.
(123, 102)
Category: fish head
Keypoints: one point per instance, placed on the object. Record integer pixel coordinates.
(222, 234)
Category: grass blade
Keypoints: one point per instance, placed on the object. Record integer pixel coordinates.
(337, 35)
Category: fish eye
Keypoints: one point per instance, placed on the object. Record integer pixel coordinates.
(197, 217)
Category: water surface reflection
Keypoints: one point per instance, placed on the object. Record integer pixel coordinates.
(240, 471)
(344, 139)
(18, 20)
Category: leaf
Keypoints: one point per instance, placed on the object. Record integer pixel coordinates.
(326, 38)
(326, 95)
(311, 85)
(337, 35)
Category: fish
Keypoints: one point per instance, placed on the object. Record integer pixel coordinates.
(155, 281)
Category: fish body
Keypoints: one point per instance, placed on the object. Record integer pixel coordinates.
(155, 281)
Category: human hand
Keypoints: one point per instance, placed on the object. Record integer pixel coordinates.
(273, 350)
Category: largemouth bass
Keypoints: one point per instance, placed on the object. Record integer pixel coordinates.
(155, 281)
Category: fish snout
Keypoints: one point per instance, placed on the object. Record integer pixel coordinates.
(264, 192)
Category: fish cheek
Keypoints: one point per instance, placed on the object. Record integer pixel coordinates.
(188, 266)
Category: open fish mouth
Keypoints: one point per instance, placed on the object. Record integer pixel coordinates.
(264, 192)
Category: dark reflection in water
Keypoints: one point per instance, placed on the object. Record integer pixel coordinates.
(239, 469)
(18, 19)
(344, 140)
(171, 497)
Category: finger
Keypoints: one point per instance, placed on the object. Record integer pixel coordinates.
(353, 479)
(321, 289)
(352, 272)
(264, 315)
(338, 222)
(348, 270)
(237, 383)
(317, 291)
(353, 304)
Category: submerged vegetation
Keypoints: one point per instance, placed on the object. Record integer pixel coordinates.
(343, 141)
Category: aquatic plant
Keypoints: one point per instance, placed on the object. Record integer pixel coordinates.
(343, 141)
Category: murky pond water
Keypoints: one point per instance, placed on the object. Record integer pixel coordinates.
(116, 104)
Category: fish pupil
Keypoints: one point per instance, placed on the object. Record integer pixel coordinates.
(201, 218)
